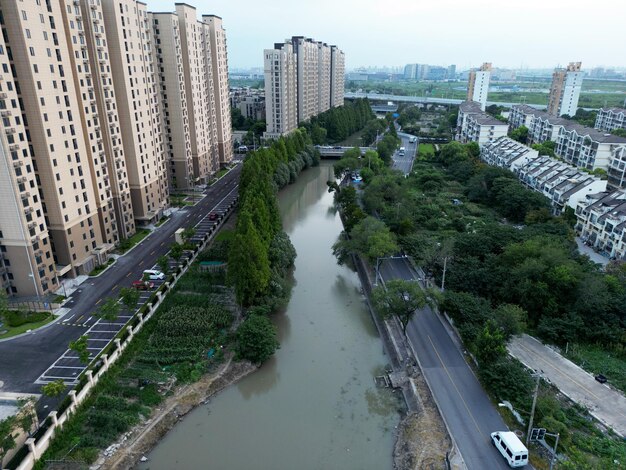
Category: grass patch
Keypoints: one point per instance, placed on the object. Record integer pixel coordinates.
(163, 219)
(598, 360)
(179, 201)
(102, 267)
(16, 323)
(426, 151)
(127, 243)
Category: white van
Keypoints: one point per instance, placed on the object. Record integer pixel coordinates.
(511, 448)
(153, 275)
(413, 139)
(401, 151)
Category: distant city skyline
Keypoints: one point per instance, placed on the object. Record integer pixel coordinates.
(537, 34)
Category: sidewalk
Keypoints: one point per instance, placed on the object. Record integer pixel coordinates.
(604, 403)
(586, 250)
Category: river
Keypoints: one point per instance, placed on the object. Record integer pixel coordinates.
(314, 405)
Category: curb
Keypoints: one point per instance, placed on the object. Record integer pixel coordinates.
(43, 327)
(105, 269)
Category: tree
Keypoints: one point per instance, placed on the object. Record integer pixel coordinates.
(187, 234)
(130, 297)
(80, 347)
(3, 302)
(22, 421)
(248, 262)
(399, 298)
(370, 238)
(53, 389)
(109, 310)
(490, 344)
(176, 251)
(520, 134)
(163, 264)
(256, 339)
(510, 319)
(620, 132)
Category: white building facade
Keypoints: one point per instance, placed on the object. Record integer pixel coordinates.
(609, 119)
(565, 90)
(478, 85)
(473, 125)
(601, 222)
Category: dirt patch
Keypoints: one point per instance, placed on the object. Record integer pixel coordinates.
(139, 441)
(423, 440)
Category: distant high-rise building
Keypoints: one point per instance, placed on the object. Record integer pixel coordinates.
(429, 72)
(478, 85)
(451, 72)
(281, 100)
(565, 90)
(337, 76)
(303, 78)
(410, 72)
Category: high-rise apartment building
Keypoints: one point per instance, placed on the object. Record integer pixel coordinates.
(565, 90)
(307, 68)
(86, 96)
(478, 85)
(219, 70)
(137, 93)
(324, 57)
(281, 101)
(337, 76)
(303, 78)
(169, 64)
(48, 159)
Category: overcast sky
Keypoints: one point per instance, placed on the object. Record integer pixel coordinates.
(527, 33)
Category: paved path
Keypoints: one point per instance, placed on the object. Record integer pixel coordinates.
(603, 402)
(586, 250)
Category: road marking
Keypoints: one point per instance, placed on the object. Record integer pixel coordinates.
(129, 273)
(153, 252)
(454, 384)
(78, 319)
(141, 262)
(113, 288)
(162, 243)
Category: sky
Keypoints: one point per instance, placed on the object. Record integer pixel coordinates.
(510, 34)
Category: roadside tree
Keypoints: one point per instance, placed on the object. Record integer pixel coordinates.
(256, 339)
(399, 298)
(130, 297)
(53, 389)
(80, 347)
(109, 310)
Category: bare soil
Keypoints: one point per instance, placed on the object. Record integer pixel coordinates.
(138, 442)
(423, 440)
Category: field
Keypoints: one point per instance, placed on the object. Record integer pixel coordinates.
(595, 93)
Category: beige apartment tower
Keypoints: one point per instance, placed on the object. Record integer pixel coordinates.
(52, 142)
(137, 94)
(337, 76)
(169, 65)
(219, 70)
(281, 100)
(303, 78)
(565, 90)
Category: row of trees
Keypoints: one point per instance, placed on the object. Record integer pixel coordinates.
(337, 124)
(260, 253)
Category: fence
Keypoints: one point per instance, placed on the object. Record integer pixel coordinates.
(33, 305)
(37, 446)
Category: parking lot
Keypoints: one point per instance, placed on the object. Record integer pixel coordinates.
(68, 366)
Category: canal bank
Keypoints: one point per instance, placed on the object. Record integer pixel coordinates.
(314, 405)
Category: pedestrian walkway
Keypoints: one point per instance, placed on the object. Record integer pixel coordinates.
(606, 404)
(586, 250)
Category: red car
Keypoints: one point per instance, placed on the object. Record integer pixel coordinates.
(213, 216)
(143, 285)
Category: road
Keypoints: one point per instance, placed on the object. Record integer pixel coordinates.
(405, 163)
(604, 403)
(25, 360)
(465, 406)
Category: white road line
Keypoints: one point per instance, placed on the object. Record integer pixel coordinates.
(67, 367)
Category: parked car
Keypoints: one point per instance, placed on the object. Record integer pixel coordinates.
(153, 275)
(142, 285)
(601, 378)
(213, 216)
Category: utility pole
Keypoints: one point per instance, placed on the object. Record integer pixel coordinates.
(443, 278)
(554, 452)
(532, 410)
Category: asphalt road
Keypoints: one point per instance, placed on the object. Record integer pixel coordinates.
(405, 163)
(465, 406)
(23, 360)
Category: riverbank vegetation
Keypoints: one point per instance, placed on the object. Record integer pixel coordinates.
(510, 267)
